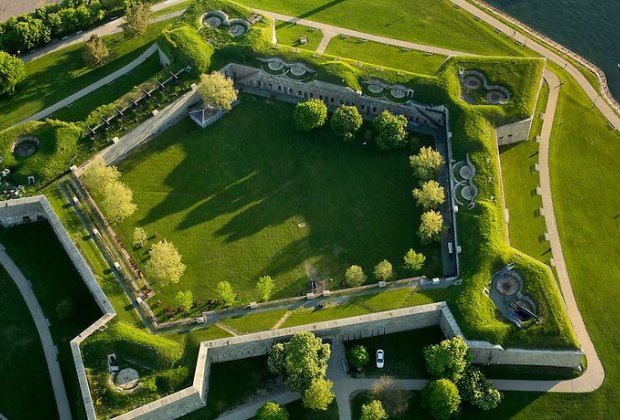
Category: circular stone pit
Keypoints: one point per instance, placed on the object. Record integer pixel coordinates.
(298, 69)
(467, 172)
(127, 379)
(398, 92)
(496, 97)
(275, 65)
(237, 29)
(26, 146)
(472, 82)
(375, 88)
(469, 192)
(509, 283)
(213, 21)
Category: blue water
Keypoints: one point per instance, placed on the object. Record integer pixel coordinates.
(588, 27)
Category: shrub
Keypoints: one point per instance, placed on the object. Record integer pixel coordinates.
(140, 238)
(426, 163)
(390, 130)
(271, 411)
(476, 388)
(225, 292)
(354, 276)
(448, 359)
(383, 271)
(265, 286)
(164, 264)
(12, 72)
(65, 309)
(358, 357)
(346, 121)
(310, 114)
(414, 261)
(185, 300)
(275, 358)
(441, 398)
(430, 226)
(373, 411)
(319, 394)
(430, 195)
(95, 51)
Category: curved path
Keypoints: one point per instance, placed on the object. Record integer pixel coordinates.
(42, 324)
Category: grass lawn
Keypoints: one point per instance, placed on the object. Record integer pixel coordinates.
(404, 356)
(22, 362)
(289, 34)
(527, 226)
(57, 75)
(109, 93)
(54, 278)
(255, 322)
(429, 22)
(385, 55)
(297, 411)
(399, 405)
(251, 196)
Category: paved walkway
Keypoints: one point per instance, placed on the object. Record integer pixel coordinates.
(42, 324)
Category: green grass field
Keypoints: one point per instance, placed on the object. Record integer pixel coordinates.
(247, 197)
(22, 362)
(57, 75)
(289, 34)
(527, 226)
(385, 55)
(429, 22)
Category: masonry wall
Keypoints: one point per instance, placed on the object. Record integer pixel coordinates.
(513, 133)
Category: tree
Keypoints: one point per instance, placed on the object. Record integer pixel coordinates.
(373, 411)
(275, 358)
(140, 238)
(319, 394)
(358, 357)
(217, 90)
(23, 34)
(354, 276)
(95, 51)
(271, 411)
(137, 19)
(346, 121)
(226, 293)
(390, 130)
(265, 286)
(310, 114)
(426, 163)
(383, 271)
(117, 201)
(164, 264)
(65, 309)
(97, 175)
(430, 226)
(476, 388)
(185, 300)
(414, 261)
(305, 360)
(448, 359)
(441, 398)
(430, 195)
(12, 72)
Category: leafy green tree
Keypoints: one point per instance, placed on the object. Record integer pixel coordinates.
(97, 175)
(271, 411)
(373, 411)
(12, 72)
(310, 114)
(217, 90)
(346, 121)
(476, 388)
(23, 34)
(265, 286)
(383, 271)
(358, 357)
(137, 18)
(65, 309)
(95, 51)
(319, 394)
(390, 130)
(448, 359)
(430, 226)
(117, 202)
(441, 398)
(426, 163)
(185, 300)
(414, 261)
(305, 360)
(430, 195)
(226, 293)
(165, 263)
(276, 356)
(140, 238)
(354, 276)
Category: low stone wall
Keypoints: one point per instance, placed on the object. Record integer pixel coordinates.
(513, 133)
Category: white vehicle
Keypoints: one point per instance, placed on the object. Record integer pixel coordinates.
(380, 359)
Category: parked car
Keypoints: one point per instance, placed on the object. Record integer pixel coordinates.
(380, 359)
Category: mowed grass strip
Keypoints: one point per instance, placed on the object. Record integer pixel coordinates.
(429, 22)
(251, 196)
(290, 34)
(385, 55)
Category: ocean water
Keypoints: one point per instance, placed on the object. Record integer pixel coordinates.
(588, 27)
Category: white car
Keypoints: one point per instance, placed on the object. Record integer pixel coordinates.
(380, 359)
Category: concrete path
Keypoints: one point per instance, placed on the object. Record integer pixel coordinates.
(42, 324)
